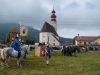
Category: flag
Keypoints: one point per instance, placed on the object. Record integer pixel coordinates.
(79, 37)
(23, 30)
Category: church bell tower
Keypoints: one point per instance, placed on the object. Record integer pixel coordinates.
(53, 20)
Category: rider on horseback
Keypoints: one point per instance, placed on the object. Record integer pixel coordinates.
(16, 45)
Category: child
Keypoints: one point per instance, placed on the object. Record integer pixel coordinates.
(47, 54)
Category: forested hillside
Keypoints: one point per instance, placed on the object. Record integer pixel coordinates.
(32, 33)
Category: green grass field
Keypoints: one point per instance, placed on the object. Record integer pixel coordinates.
(83, 64)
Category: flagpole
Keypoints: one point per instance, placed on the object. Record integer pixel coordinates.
(78, 39)
(23, 31)
(20, 29)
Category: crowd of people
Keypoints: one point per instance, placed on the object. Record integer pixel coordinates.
(46, 50)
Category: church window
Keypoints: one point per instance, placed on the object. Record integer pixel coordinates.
(43, 38)
(96, 43)
(84, 43)
(48, 38)
(54, 40)
(54, 44)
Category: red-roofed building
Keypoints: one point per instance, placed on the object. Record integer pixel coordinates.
(48, 33)
(87, 41)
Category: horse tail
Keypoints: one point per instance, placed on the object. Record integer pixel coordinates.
(2, 54)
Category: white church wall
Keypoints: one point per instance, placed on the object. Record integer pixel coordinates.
(47, 37)
(43, 37)
(54, 41)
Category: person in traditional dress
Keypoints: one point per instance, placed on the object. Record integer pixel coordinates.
(47, 54)
(16, 45)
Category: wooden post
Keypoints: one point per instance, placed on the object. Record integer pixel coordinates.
(38, 50)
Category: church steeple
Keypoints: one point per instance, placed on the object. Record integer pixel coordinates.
(53, 19)
(53, 16)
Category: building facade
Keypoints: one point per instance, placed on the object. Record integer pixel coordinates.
(87, 41)
(48, 33)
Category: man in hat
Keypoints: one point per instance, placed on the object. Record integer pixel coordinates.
(16, 45)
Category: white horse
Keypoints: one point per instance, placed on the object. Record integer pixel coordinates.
(83, 49)
(8, 51)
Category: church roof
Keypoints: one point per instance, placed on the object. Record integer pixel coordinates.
(56, 38)
(48, 28)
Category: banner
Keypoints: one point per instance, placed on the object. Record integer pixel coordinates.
(23, 30)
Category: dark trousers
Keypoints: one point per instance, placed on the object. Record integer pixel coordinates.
(19, 53)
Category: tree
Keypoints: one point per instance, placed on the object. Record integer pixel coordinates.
(74, 40)
(28, 41)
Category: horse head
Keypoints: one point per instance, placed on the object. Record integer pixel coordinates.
(26, 48)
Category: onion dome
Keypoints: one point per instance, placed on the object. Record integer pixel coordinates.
(53, 11)
(53, 16)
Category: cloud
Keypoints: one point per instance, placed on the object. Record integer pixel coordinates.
(71, 33)
(72, 6)
(73, 16)
(90, 6)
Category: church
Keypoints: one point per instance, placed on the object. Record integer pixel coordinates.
(48, 33)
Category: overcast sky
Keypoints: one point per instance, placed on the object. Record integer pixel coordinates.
(73, 16)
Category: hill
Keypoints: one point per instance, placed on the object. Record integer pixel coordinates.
(32, 33)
